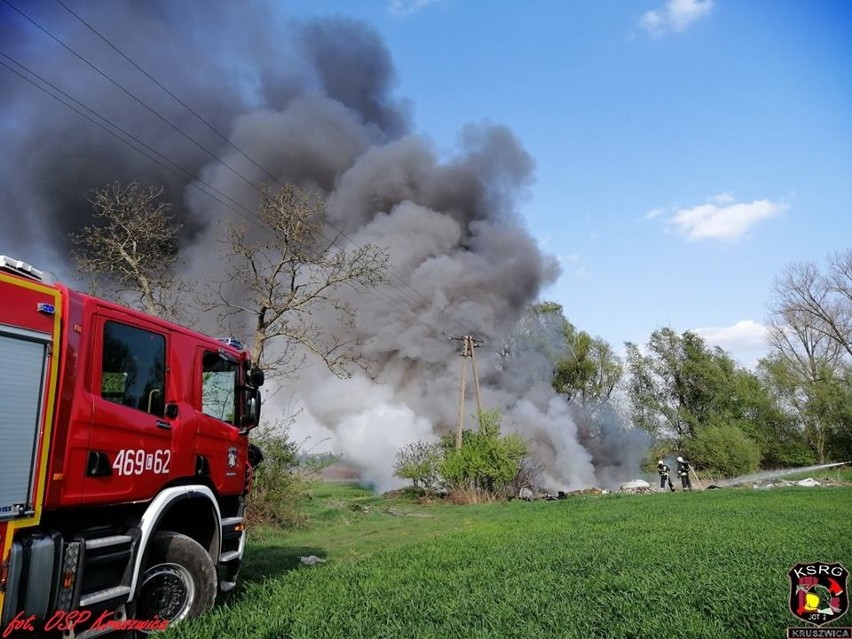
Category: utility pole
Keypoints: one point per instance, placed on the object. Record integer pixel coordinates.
(469, 343)
(472, 343)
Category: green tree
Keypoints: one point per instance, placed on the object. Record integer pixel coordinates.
(589, 369)
(582, 368)
(673, 386)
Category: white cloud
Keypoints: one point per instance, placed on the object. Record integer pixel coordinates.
(650, 215)
(723, 218)
(674, 15)
(407, 7)
(747, 341)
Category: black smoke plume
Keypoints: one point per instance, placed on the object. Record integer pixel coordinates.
(311, 103)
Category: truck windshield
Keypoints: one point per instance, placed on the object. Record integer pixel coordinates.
(218, 387)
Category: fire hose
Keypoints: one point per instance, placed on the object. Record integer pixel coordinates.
(697, 478)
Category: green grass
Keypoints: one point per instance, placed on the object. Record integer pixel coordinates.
(691, 565)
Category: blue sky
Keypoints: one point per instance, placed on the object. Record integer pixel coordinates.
(686, 150)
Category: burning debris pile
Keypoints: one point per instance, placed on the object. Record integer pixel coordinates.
(312, 104)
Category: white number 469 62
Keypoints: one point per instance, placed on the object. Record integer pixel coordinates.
(131, 461)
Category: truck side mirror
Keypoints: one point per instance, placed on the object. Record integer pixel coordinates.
(252, 416)
(256, 377)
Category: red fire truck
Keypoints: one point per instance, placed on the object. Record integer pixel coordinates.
(124, 461)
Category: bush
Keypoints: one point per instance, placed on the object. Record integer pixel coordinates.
(789, 454)
(466, 496)
(724, 449)
(486, 460)
(280, 481)
(418, 462)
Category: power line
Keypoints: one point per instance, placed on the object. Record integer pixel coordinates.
(166, 90)
(158, 158)
(145, 150)
(131, 95)
(227, 140)
(181, 172)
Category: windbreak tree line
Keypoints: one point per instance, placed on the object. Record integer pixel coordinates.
(696, 401)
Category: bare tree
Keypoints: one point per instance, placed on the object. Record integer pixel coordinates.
(825, 299)
(811, 335)
(131, 251)
(801, 370)
(289, 276)
(798, 337)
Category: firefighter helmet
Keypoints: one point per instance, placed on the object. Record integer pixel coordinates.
(660, 463)
(680, 459)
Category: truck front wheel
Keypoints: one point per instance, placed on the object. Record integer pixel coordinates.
(179, 580)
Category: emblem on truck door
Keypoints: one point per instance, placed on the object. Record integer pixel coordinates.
(232, 457)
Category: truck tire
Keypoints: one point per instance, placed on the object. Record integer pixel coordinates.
(178, 581)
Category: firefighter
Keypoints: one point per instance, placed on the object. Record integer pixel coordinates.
(665, 476)
(683, 470)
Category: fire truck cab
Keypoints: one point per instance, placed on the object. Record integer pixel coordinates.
(124, 460)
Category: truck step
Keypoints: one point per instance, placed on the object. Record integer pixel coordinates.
(225, 557)
(107, 542)
(106, 594)
(230, 522)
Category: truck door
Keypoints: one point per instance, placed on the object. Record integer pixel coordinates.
(130, 445)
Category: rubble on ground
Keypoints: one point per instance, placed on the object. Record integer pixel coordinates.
(528, 494)
(636, 487)
(592, 490)
(809, 482)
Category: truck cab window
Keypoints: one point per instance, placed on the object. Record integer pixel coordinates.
(218, 387)
(133, 370)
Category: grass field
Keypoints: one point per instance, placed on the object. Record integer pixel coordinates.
(677, 565)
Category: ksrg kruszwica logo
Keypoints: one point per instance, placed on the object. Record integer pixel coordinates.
(818, 592)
